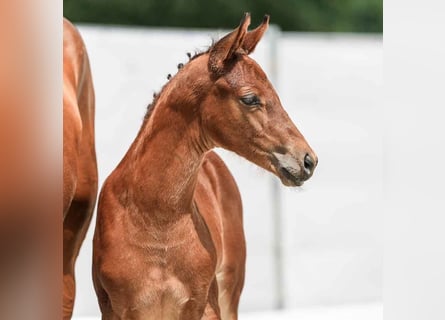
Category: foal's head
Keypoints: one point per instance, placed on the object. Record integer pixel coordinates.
(240, 110)
(243, 113)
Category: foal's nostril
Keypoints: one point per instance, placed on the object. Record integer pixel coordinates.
(308, 164)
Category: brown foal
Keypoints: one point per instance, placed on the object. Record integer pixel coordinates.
(79, 156)
(169, 240)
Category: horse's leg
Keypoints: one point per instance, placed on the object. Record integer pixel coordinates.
(230, 275)
(212, 311)
(209, 311)
(110, 316)
(227, 207)
(77, 220)
(103, 299)
(230, 282)
(210, 314)
(75, 227)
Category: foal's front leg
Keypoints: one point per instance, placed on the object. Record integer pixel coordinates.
(203, 308)
(212, 311)
(210, 314)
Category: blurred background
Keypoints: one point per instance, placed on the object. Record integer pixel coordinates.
(290, 15)
(314, 252)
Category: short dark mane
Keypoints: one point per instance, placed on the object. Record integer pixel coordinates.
(151, 106)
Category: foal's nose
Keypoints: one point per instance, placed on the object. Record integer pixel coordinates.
(310, 162)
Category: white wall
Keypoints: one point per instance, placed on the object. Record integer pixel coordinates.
(332, 227)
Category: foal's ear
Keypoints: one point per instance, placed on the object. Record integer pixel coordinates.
(224, 49)
(253, 37)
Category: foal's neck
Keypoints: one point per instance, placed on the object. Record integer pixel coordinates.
(167, 154)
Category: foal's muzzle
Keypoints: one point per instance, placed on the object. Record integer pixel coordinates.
(293, 170)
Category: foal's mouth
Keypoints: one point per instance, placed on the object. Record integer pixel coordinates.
(288, 178)
(288, 169)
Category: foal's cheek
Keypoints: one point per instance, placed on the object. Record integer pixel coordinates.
(257, 120)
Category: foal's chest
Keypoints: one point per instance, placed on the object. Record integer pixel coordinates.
(174, 273)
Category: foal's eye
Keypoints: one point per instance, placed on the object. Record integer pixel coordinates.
(250, 100)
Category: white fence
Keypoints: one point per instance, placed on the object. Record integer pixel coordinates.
(332, 227)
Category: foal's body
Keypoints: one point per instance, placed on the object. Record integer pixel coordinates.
(79, 155)
(169, 241)
(174, 230)
(171, 257)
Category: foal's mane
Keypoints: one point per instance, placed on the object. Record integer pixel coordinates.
(156, 96)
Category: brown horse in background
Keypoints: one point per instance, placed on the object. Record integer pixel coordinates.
(79, 156)
(169, 240)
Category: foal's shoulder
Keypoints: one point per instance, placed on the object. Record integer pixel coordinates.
(213, 157)
(214, 161)
(214, 168)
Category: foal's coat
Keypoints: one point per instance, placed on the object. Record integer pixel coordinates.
(169, 240)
